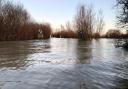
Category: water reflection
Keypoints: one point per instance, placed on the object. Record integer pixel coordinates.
(63, 64)
(71, 51)
(17, 55)
(13, 55)
(84, 51)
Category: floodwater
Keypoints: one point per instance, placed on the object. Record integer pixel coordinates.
(63, 64)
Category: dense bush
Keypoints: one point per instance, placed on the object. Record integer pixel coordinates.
(113, 34)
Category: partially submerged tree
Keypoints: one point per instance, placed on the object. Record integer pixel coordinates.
(47, 30)
(16, 24)
(66, 31)
(84, 22)
(70, 31)
(12, 17)
(99, 24)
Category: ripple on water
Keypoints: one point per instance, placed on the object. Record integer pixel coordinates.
(63, 64)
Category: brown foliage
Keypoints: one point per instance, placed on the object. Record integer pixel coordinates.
(15, 23)
(28, 31)
(12, 17)
(46, 30)
(64, 34)
(31, 30)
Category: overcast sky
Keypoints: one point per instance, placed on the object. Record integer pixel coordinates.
(58, 12)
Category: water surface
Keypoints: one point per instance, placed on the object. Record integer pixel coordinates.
(63, 64)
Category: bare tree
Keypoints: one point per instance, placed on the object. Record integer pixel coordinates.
(99, 23)
(12, 17)
(123, 12)
(84, 22)
(122, 17)
(68, 26)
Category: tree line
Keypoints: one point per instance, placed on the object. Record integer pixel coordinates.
(16, 23)
(86, 24)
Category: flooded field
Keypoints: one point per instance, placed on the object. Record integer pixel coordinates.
(63, 64)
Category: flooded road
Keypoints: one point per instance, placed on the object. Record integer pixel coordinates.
(63, 64)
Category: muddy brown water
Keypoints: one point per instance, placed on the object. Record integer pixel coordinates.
(63, 64)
